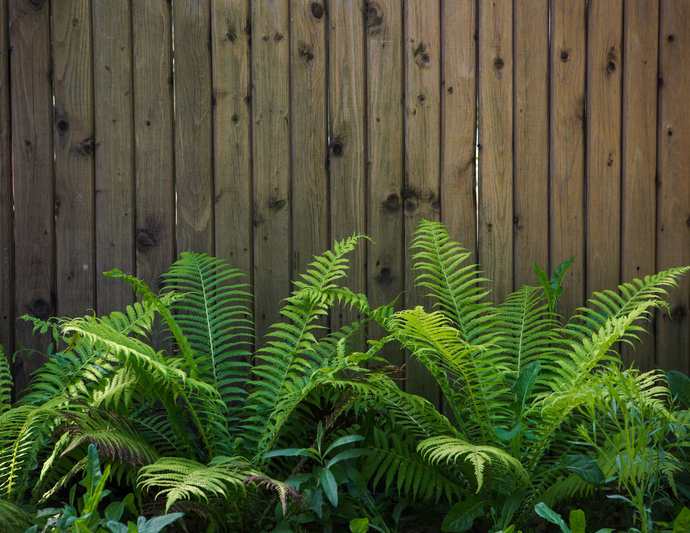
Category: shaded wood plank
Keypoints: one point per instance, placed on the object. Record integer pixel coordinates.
(638, 184)
(74, 156)
(459, 122)
(232, 134)
(567, 146)
(531, 138)
(6, 200)
(32, 148)
(271, 149)
(385, 268)
(114, 152)
(422, 49)
(309, 135)
(603, 159)
(193, 126)
(495, 231)
(673, 208)
(347, 94)
(152, 86)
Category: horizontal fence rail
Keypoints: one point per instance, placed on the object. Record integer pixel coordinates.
(261, 130)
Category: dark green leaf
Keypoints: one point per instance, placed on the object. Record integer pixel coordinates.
(329, 485)
(544, 511)
(462, 514)
(347, 454)
(344, 440)
(584, 467)
(359, 525)
(578, 523)
(679, 385)
(682, 522)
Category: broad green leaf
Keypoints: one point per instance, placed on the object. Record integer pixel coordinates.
(511, 505)
(114, 510)
(329, 485)
(290, 452)
(359, 525)
(558, 274)
(584, 467)
(682, 522)
(157, 524)
(578, 523)
(347, 439)
(544, 511)
(461, 516)
(347, 454)
(508, 435)
(524, 384)
(679, 385)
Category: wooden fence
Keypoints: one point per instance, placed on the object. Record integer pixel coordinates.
(261, 130)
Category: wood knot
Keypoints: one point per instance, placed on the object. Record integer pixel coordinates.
(39, 307)
(611, 67)
(516, 219)
(317, 10)
(385, 276)
(421, 56)
(306, 51)
(421, 98)
(669, 132)
(410, 207)
(498, 63)
(235, 118)
(231, 34)
(679, 312)
(565, 56)
(450, 90)
(391, 203)
(609, 160)
(86, 147)
(374, 15)
(278, 37)
(62, 126)
(671, 38)
(276, 205)
(148, 122)
(337, 148)
(146, 240)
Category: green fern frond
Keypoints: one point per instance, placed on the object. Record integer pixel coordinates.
(6, 383)
(12, 518)
(394, 461)
(450, 449)
(611, 304)
(183, 479)
(456, 286)
(215, 316)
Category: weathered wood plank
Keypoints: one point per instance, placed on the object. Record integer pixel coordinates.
(347, 93)
(531, 138)
(112, 55)
(385, 276)
(232, 134)
(567, 145)
(673, 231)
(495, 233)
(153, 143)
(6, 214)
(638, 184)
(74, 156)
(309, 134)
(271, 149)
(32, 148)
(422, 49)
(603, 138)
(459, 122)
(193, 126)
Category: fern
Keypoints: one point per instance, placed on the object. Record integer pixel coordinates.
(12, 518)
(6, 383)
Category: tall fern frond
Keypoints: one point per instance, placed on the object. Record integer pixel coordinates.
(6, 383)
(394, 461)
(288, 354)
(12, 518)
(215, 316)
(457, 286)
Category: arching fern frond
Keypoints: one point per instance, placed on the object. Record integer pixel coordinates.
(450, 450)
(215, 316)
(6, 383)
(12, 518)
(457, 286)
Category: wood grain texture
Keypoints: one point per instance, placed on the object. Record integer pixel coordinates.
(385, 268)
(422, 50)
(193, 126)
(32, 148)
(347, 94)
(232, 134)
(673, 208)
(495, 224)
(271, 149)
(309, 135)
(152, 86)
(114, 152)
(567, 146)
(531, 140)
(638, 184)
(6, 199)
(74, 156)
(459, 121)
(603, 160)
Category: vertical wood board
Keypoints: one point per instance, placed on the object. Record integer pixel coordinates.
(531, 140)
(74, 156)
(114, 152)
(673, 169)
(193, 126)
(32, 148)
